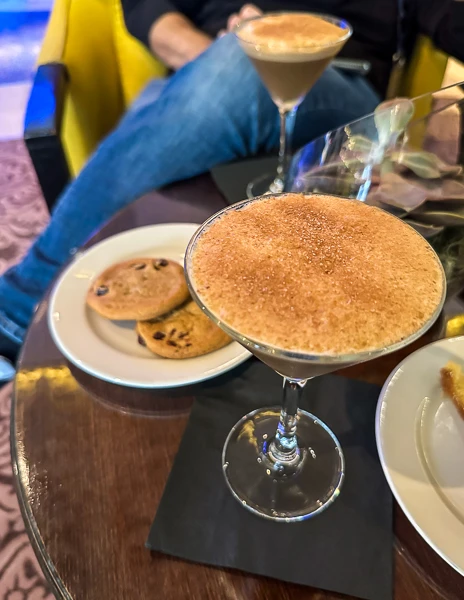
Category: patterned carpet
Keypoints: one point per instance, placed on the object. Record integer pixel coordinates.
(23, 215)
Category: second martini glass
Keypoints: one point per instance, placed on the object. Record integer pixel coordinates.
(290, 52)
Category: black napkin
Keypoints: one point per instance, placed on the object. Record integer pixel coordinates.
(232, 178)
(346, 549)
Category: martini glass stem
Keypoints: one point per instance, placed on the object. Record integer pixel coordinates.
(283, 450)
(287, 120)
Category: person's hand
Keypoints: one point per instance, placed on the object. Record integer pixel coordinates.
(246, 12)
(176, 41)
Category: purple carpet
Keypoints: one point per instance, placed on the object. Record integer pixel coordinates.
(23, 215)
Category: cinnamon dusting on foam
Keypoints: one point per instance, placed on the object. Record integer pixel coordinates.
(293, 34)
(317, 274)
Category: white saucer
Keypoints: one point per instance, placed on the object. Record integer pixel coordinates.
(420, 438)
(108, 349)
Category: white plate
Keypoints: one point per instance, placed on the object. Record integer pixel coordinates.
(108, 349)
(420, 438)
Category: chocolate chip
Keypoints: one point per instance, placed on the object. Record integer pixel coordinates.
(173, 331)
(141, 341)
(162, 262)
(187, 345)
(171, 343)
(182, 335)
(139, 267)
(102, 290)
(159, 335)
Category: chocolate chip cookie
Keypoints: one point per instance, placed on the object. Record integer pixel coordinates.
(138, 289)
(184, 333)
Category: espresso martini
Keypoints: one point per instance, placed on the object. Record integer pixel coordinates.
(316, 275)
(290, 51)
(309, 284)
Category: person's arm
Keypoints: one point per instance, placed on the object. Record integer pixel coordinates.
(176, 41)
(443, 22)
(162, 27)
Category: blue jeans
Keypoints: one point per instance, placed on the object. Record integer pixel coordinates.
(213, 110)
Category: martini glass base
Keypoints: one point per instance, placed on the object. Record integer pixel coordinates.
(268, 183)
(283, 493)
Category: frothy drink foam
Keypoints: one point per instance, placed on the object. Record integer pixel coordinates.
(317, 274)
(290, 51)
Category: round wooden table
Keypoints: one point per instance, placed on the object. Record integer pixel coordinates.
(91, 460)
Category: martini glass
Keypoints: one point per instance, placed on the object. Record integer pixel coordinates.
(288, 67)
(284, 463)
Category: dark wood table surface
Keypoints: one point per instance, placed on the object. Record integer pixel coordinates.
(91, 460)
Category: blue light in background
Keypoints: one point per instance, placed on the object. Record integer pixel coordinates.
(21, 35)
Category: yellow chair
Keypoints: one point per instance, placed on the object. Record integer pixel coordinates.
(425, 71)
(107, 68)
(91, 68)
(423, 74)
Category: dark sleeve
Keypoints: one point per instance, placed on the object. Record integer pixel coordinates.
(140, 15)
(443, 22)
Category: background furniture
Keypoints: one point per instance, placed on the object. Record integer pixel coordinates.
(90, 69)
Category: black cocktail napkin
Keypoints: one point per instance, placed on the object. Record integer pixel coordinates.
(232, 178)
(346, 549)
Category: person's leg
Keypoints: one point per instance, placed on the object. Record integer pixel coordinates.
(212, 111)
(150, 94)
(8, 351)
(335, 99)
(208, 112)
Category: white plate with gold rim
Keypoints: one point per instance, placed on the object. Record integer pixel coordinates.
(420, 439)
(109, 350)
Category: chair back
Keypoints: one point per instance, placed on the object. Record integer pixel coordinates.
(106, 69)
